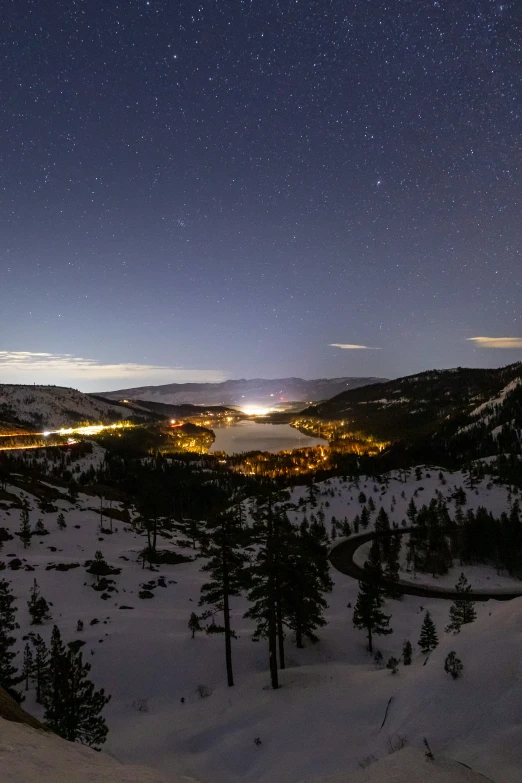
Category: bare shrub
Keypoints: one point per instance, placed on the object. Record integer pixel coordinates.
(396, 742)
(366, 761)
(203, 691)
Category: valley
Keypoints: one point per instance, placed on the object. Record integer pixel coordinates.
(129, 519)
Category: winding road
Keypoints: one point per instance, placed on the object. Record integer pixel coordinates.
(341, 557)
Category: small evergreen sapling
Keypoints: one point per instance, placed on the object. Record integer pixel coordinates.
(98, 566)
(28, 666)
(40, 529)
(38, 606)
(25, 529)
(428, 639)
(462, 610)
(406, 653)
(194, 624)
(453, 665)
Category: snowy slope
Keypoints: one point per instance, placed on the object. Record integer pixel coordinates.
(470, 714)
(27, 755)
(410, 766)
(51, 407)
(327, 715)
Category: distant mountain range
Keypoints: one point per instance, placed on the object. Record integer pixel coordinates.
(458, 414)
(242, 391)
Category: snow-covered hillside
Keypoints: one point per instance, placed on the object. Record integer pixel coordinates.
(327, 716)
(27, 755)
(410, 765)
(52, 407)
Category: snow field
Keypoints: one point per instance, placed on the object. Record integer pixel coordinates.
(327, 715)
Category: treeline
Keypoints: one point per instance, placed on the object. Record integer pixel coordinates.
(438, 539)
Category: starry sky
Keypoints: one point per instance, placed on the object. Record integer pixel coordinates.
(238, 188)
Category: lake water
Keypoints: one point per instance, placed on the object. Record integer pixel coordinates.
(251, 436)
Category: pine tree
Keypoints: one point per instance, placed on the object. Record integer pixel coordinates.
(462, 610)
(453, 665)
(406, 653)
(392, 566)
(194, 624)
(9, 677)
(52, 694)
(269, 574)
(470, 476)
(307, 579)
(378, 659)
(428, 639)
(40, 529)
(38, 606)
(411, 512)
(25, 529)
(382, 523)
(365, 518)
(61, 521)
(460, 497)
(28, 666)
(73, 491)
(72, 705)
(367, 613)
(98, 566)
(312, 493)
(40, 667)
(226, 566)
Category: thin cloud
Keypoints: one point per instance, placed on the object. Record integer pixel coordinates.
(351, 347)
(23, 366)
(497, 342)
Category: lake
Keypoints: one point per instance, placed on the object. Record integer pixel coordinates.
(251, 436)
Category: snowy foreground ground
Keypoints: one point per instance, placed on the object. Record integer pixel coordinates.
(326, 717)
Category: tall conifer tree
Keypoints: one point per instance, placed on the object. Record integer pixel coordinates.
(226, 566)
(72, 705)
(9, 676)
(368, 614)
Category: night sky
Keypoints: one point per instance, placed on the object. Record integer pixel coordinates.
(220, 189)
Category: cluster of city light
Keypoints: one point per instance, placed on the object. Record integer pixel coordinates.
(90, 429)
(256, 410)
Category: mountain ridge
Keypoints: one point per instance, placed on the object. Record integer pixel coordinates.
(236, 391)
(456, 409)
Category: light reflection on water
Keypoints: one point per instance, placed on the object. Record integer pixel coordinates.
(251, 436)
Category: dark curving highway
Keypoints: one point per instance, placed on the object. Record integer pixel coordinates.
(341, 557)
